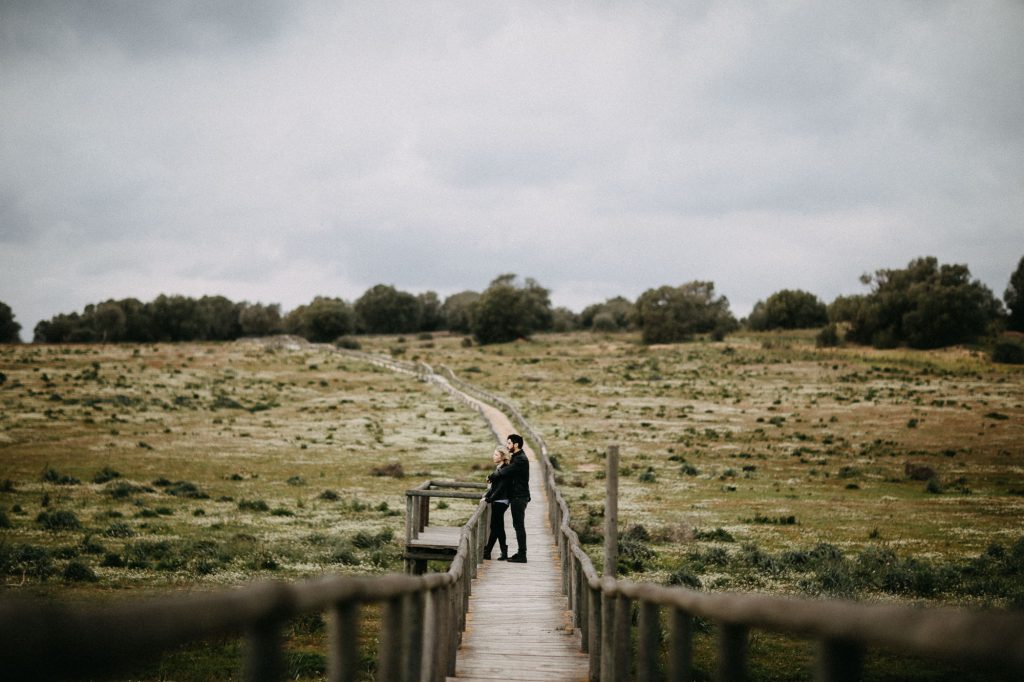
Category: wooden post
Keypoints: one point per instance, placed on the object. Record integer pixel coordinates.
(594, 633)
(623, 640)
(343, 656)
(838, 661)
(607, 637)
(732, 652)
(264, 658)
(611, 512)
(412, 635)
(649, 632)
(389, 653)
(579, 600)
(680, 651)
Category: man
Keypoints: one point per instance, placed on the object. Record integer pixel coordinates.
(517, 475)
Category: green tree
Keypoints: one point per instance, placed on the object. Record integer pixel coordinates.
(323, 320)
(618, 311)
(564, 320)
(9, 329)
(458, 311)
(383, 309)
(108, 321)
(256, 319)
(218, 318)
(431, 314)
(788, 309)
(506, 311)
(670, 314)
(924, 305)
(1014, 299)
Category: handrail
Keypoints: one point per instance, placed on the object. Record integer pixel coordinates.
(601, 608)
(424, 616)
(423, 620)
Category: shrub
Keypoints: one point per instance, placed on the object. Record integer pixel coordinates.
(348, 343)
(684, 577)
(4, 521)
(716, 535)
(365, 540)
(253, 505)
(329, 495)
(105, 474)
(27, 560)
(1009, 351)
(186, 489)
(79, 572)
(828, 337)
(119, 530)
(51, 475)
(393, 469)
(58, 520)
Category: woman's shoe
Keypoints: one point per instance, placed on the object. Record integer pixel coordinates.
(503, 557)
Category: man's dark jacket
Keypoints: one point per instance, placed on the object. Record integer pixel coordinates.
(517, 475)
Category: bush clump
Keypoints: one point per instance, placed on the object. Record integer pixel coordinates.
(58, 519)
(79, 572)
(51, 475)
(1008, 351)
(104, 475)
(392, 469)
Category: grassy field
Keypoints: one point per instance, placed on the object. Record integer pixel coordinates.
(759, 463)
(130, 470)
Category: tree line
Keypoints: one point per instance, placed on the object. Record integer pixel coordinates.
(924, 305)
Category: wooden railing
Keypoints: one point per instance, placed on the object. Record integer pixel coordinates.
(422, 622)
(603, 610)
(423, 616)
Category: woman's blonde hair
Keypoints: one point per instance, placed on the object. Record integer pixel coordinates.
(505, 456)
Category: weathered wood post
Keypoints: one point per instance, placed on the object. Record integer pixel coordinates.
(611, 558)
(649, 632)
(611, 512)
(343, 656)
(680, 653)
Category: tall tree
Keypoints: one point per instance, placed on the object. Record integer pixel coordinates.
(323, 320)
(458, 311)
(506, 311)
(788, 309)
(9, 329)
(925, 305)
(1014, 298)
(670, 314)
(383, 309)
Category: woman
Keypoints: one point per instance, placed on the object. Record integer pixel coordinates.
(497, 497)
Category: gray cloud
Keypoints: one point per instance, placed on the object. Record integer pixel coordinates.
(274, 151)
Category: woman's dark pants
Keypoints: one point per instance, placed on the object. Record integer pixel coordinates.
(497, 529)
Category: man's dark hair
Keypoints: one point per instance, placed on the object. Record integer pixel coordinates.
(516, 440)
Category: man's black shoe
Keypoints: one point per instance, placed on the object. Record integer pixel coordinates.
(517, 559)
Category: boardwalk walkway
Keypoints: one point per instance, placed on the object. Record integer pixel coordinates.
(519, 626)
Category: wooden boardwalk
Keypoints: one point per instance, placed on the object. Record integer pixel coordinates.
(519, 626)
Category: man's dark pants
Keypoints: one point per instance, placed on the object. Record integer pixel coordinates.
(519, 523)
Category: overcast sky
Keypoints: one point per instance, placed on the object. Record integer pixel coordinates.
(274, 151)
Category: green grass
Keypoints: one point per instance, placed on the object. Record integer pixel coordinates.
(722, 444)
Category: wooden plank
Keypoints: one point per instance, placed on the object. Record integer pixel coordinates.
(519, 625)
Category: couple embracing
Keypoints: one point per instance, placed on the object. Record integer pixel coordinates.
(510, 488)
